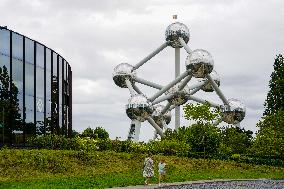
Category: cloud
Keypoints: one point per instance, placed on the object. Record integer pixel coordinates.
(95, 36)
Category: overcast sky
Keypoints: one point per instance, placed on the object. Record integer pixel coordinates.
(94, 36)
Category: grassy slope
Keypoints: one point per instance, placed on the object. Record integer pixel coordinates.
(75, 169)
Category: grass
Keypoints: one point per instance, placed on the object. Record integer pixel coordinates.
(78, 169)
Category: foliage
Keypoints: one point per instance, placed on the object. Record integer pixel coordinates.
(235, 140)
(269, 140)
(169, 147)
(81, 169)
(275, 96)
(201, 113)
(97, 133)
(202, 138)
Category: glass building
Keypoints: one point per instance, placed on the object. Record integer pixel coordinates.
(35, 89)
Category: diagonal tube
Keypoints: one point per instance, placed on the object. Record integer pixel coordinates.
(136, 89)
(184, 82)
(129, 86)
(218, 91)
(154, 53)
(166, 108)
(154, 124)
(172, 107)
(196, 85)
(195, 90)
(167, 87)
(196, 99)
(185, 46)
(163, 98)
(148, 83)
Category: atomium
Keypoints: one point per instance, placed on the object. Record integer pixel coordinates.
(139, 108)
(234, 112)
(160, 118)
(207, 87)
(199, 66)
(122, 72)
(174, 32)
(179, 96)
(200, 62)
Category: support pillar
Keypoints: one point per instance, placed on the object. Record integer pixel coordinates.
(177, 73)
(134, 131)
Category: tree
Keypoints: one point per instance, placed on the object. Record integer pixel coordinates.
(269, 140)
(201, 113)
(101, 133)
(275, 96)
(235, 140)
(97, 133)
(202, 136)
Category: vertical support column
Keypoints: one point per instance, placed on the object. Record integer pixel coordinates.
(177, 73)
(134, 131)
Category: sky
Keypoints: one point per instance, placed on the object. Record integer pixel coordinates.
(243, 36)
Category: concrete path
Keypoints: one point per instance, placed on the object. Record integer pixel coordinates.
(223, 183)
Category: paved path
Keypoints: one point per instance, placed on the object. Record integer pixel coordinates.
(220, 184)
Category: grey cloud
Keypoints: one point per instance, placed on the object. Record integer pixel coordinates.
(95, 36)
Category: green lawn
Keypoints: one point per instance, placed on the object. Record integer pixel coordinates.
(78, 169)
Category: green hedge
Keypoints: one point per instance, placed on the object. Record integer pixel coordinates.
(163, 147)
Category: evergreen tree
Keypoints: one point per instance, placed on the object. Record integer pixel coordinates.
(275, 97)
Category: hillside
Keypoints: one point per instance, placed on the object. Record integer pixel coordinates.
(79, 169)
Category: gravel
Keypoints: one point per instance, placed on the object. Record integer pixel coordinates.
(241, 184)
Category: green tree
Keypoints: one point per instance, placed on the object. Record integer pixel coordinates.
(235, 140)
(201, 113)
(101, 133)
(202, 136)
(269, 140)
(275, 96)
(97, 133)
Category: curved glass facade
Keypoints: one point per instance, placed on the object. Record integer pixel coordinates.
(35, 89)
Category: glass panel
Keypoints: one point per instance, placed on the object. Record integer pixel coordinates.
(5, 42)
(29, 127)
(39, 88)
(5, 49)
(60, 91)
(40, 56)
(17, 46)
(29, 51)
(29, 87)
(17, 68)
(5, 61)
(54, 95)
(48, 91)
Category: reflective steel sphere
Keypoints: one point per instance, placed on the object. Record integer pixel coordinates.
(122, 72)
(176, 30)
(179, 97)
(138, 108)
(207, 87)
(200, 62)
(159, 118)
(234, 113)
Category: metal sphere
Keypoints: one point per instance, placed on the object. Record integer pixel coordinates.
(139, 108)
(159, 118)
(234, 113)
(176, 30)
(207, 87)
(200, 62)
(179, 96)
(122, 72)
